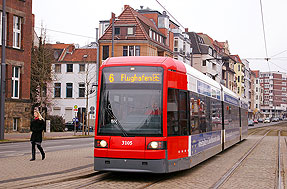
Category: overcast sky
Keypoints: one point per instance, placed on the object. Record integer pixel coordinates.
(238, 21)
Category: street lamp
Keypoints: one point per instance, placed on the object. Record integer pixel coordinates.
(3, 73)
(113, 34)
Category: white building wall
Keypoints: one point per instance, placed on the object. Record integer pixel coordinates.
(63, 106)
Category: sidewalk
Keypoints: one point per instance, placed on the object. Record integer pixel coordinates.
(21, 137)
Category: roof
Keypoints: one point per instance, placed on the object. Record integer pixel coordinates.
(81, 55)
(236, 58)
(207, 39)
(59, 45)
(166, 62)
(141, 23)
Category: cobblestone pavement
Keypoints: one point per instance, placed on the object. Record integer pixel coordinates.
(259, 168)
(201, 176)
(77, 166)
(19, 172)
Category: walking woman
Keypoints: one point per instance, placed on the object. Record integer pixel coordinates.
(37, 126)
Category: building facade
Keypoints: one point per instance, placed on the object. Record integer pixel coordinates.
(248, 85)
(239, 76)
(258, 94)
(274, 93)
(205, 57)
(19, 37)
(74, 82)
(134, 34)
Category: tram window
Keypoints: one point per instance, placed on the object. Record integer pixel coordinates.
(203, 119)
(183, 113)
(172, 112)
(194, 118)
(177, 113)
(216, 114)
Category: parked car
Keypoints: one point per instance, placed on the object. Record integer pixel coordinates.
(260, 120)
(255, 121)
(91, 129)
(250, 122)
(267, 120)
(70, 126)
(274, 119)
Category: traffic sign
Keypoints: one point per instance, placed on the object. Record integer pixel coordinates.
(75, 108)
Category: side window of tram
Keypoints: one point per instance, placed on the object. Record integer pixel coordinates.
(177, 113)
(183, 113)
(172, 113)
(199, 122)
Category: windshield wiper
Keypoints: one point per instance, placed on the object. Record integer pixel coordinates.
(116, 121)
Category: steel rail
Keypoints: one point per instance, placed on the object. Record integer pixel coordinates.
(279, 162)
(227, 175)
(106, 176)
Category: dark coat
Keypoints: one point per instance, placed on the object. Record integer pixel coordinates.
(37, 126)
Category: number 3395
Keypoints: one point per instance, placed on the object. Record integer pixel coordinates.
(127, 143)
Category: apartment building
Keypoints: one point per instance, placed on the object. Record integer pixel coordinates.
(274, 93)
(74, 81)
(19, 37)
(135, 34)
(205, 57)
(143, 32)
(258, 94)
(228, 73)
(239, 69)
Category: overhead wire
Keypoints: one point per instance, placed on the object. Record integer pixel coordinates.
(278, 66)
(170, 14)
(267, 59)
(67, 33)
(279, 53)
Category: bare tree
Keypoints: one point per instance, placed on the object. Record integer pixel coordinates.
(41, 62)
(89, 79)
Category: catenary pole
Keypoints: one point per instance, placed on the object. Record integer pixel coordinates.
(3, 71)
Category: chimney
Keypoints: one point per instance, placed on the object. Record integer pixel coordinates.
(186, 30)
(126, 6)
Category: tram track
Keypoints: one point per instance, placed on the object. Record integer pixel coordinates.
(100, 179)
(279, 183)
(230, 173)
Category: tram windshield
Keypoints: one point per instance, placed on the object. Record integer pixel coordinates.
(131, 101)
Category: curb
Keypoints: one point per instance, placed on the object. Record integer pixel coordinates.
(44, 139)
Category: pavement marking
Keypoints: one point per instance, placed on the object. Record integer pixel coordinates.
(7, 152)
(58, 146)
(47, 174)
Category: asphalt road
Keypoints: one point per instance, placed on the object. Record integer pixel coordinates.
(23, 148)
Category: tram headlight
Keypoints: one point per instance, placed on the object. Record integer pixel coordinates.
(101, 144)
(157, 145)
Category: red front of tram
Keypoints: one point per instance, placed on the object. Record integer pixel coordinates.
(131, 125)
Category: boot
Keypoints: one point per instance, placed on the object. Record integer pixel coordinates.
(33, 155)
(43, 156)
(42, 151)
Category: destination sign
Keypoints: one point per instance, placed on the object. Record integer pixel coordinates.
(138, 77)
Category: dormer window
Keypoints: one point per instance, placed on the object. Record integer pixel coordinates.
(117, 31)
(130, 31)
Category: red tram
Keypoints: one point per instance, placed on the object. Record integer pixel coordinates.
(159, 115)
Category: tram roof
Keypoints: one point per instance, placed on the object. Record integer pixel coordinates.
(167, 62)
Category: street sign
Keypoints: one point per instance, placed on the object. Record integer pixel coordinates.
(92, 110)
(75, 108)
